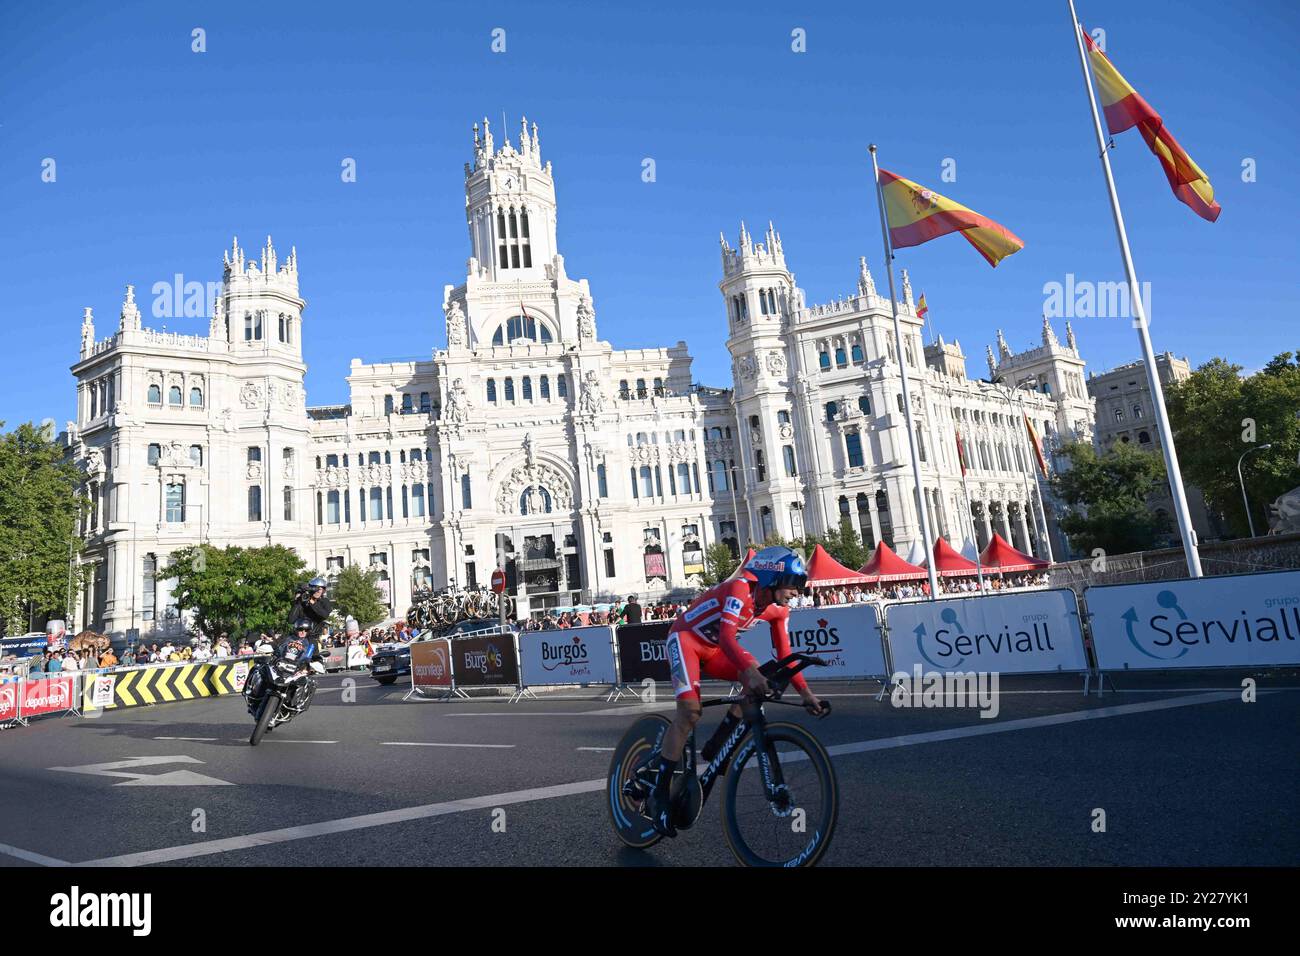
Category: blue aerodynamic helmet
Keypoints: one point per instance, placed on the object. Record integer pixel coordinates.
(777, 567)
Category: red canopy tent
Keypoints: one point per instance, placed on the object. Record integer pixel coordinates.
(740, 567)
(948, 563)
(1001, 556)
(825, 571)
(885, 565)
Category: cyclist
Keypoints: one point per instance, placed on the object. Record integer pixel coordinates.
(703, 640)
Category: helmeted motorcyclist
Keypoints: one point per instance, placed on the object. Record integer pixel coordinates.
(313, 605)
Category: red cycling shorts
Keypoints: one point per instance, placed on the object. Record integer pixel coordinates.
(689, 656)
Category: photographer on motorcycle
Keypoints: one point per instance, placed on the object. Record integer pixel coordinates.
(311, 604)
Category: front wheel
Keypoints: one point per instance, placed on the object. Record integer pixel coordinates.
(386, 680)
(791, 823)
(638, 746)
(270, 707)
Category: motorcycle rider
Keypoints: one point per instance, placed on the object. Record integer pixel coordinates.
(311, 604)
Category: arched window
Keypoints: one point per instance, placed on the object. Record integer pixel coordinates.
(853, 448)
(288, 503)
(523, 328)
(492, 391)
(840, 359)
(832, 409)
(510, 390)
(1137, 411)
(174, 395)
(254, 502)
(647, 482)
(417, 500)
(283, 329)
(546, 388)
(683, 478)
(376, 504)
(196, 398)
(562, 386)
(640, 388)
(864, 405)
(528, 388)
(196, 455)
(466, 500)
(602, 486)
(824, 360)
(783, 417)
(155, 452)
(408, 403)
(388, 404)
(1144, 438)
(425, 406)
(857, 355)
(332, 508)
(788, 452)
(176, 502)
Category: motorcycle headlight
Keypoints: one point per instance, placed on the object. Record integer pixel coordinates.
(286, 668)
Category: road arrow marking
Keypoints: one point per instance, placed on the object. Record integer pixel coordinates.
(174, 778)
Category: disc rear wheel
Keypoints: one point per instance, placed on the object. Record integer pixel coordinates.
(639, 744)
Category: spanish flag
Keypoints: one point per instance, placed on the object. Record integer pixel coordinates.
(961, 455)
(1038, 446)
(916, 215)
(921, 307)
(1125, 108)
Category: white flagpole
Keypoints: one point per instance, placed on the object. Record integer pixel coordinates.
(1140, 320)
(907, 400)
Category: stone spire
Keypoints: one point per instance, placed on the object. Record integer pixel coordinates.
(1069, 338)
(234, 259)
(87, 333)
(746, 243)
(907, 291)
(993, 365)
(866, 285)
(1049, 336)
(216, 328)
(1004, 350)
(130, 312)
(268, 258)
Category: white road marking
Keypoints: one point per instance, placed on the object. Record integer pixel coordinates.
(408, 814)
(174, 778)
(600, 749)
(188, 738)
(282, 740)
(31, 857)
(421, 743)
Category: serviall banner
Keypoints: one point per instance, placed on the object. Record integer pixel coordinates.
(1032, 632)
(1245, 620)
(847, 637)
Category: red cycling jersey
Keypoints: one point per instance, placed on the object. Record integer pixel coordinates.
(704, 636)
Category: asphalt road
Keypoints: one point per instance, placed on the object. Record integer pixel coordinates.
(1185, 772)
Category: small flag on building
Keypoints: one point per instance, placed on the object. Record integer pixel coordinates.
(961, 455)
(1038, 445)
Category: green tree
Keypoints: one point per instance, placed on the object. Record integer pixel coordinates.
(845, 545)
(719, 562)
(1105, 497)
(236, 589)
(356, 593)
(41, 503)
(1217, 415)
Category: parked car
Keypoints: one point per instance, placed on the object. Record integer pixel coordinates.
(394, 661)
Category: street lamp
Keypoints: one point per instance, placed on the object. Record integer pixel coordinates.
(1244, 500)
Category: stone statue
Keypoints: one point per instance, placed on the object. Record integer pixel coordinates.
(1284, 514)
(593, 399)
(455, 325)
(458, 403)
(586, 319)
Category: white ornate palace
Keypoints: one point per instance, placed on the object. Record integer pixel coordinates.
(591, 471)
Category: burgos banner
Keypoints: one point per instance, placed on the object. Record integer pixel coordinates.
(1234, 621)
(578, 655)
(1032, 632)
(847, 637)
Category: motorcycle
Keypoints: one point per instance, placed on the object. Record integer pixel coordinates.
(281, 687)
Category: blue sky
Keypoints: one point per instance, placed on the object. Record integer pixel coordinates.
(163, 154)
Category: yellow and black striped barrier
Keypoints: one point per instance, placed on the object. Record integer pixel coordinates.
(163, 683)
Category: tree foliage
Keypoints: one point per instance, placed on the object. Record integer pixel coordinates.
(1105, 497)
(1217, 415)
(719, 563)
(41, 504)
(236, 589)
(356, 594)
(843, 544)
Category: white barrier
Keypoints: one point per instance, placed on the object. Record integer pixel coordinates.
(1246, 620)
(847, 636)
(575, 655)
(1030, 632)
